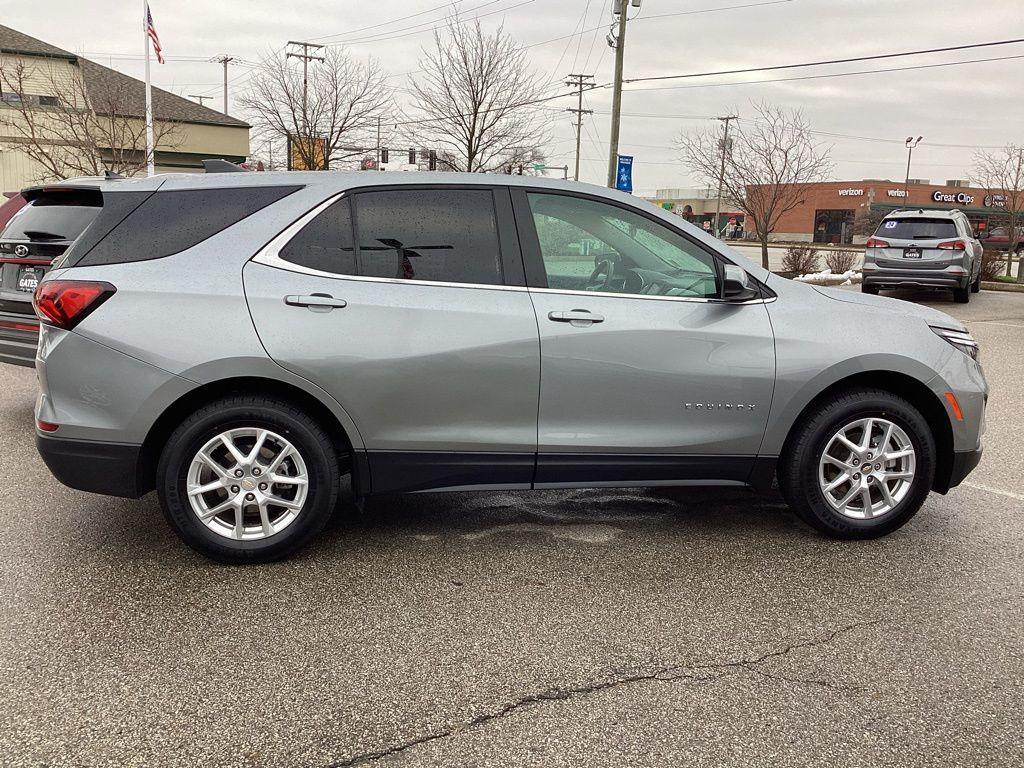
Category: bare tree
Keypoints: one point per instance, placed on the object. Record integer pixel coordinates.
(344, 99)
(71, 130)
(476, 100)
(768, 164)
(1002, 174)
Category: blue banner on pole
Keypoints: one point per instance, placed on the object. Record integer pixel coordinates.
(624, 176)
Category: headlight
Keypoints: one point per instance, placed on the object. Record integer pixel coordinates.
(962, 340)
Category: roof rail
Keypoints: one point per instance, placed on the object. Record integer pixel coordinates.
(221, 166)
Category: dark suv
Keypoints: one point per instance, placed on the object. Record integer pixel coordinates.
(37, 234)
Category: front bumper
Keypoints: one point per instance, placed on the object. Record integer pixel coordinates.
(19, 337)
(108, 468)
(964, 463)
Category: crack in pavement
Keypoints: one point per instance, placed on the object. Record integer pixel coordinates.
(664, 674)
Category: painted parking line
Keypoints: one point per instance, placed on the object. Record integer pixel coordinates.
(998, 491)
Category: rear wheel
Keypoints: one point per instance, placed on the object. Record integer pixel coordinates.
(248, 479)
(873, 290)
(859, 466)
(976, 285)
(962, 295)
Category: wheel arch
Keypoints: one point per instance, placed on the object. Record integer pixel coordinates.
(173, 414)
(910, 389)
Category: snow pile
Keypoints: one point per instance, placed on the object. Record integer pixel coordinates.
(850, 277)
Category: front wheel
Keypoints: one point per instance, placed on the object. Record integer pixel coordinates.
(248, 479)
(859, 466)
(873, 290)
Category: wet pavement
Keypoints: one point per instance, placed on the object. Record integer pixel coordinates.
(562, 628)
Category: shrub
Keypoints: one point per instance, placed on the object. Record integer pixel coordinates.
(993, 264)
(800, 259)
(840, 262)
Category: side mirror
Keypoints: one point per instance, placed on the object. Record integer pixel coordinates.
(737, 285)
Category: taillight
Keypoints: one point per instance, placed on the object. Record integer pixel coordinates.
(47, 426)
(953, 245)
(65, 303)
(874, 242)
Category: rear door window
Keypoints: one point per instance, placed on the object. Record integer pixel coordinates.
(918, 228)
(440, 235)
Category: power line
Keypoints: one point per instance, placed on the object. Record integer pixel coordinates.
(425, 26)
(391, 21)
(825, 76)
(849, 60)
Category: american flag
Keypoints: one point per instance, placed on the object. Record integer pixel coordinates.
(151, 31)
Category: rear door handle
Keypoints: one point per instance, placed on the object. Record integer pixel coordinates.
(575, 316)
(318, 302)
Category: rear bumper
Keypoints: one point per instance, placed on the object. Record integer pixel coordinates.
(887, 277)
(19, 338)
(108, 468)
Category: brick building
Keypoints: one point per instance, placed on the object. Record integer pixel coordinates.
(827, 212)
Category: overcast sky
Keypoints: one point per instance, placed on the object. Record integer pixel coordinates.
(956, 108)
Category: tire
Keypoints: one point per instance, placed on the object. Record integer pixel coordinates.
(976, 285)
(962, 295)
(798, 472)
(283, 529)
(871, 289)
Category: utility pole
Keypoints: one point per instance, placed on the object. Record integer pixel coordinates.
(910, 143)
(378, 143)
(579, 81)
(306, 58)
(225, 60)
(200, 98)
(721, 173)
(618, 42)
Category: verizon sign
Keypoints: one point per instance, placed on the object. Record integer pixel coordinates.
(851, 192)
(900, 193)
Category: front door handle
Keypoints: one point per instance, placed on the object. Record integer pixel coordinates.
(317, 302)
(575, 316)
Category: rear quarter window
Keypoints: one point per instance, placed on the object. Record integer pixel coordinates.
(918, 228)
(166, 223)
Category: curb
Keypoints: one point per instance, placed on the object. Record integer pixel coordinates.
(1009, 287)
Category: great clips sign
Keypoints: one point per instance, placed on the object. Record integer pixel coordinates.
(950, 197)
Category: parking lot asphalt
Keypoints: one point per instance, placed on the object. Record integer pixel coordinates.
(570, 628)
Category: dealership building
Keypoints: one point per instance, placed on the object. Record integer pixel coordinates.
(827, 210)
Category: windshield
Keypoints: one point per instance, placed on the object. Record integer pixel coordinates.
(50, 219)
(917, 228)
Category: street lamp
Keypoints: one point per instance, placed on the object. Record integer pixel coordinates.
(910, 143)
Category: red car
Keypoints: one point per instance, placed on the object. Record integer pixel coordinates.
(999, 239)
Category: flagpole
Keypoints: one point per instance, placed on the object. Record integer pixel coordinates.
(150, 149)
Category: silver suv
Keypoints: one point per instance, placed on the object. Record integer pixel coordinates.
(924, 249)
(239, 342)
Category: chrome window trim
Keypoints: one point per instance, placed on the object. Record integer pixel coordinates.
(270, 256)
(648, 297)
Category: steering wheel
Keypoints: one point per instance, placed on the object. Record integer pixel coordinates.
(604, 267)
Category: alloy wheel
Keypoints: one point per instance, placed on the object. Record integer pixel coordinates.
(247, 484)
(867, 468)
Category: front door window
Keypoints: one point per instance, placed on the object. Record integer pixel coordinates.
(592, 246)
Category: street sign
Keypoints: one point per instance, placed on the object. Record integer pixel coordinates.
(624, 176)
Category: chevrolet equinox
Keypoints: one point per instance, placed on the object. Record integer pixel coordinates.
(240, 341)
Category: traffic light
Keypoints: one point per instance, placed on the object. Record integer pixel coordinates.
(384, 155)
